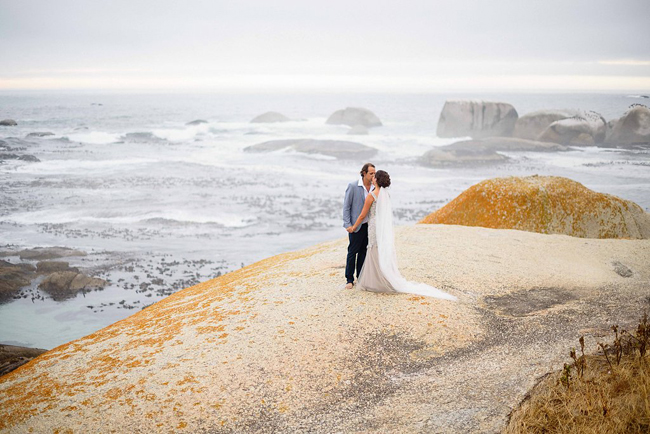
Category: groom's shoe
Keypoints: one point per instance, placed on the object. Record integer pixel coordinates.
(349, 285)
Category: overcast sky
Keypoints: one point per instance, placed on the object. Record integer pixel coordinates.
(407, 45)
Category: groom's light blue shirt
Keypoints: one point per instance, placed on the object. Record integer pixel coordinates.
(355, 197)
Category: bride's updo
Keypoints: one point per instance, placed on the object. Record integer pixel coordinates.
(383, 179)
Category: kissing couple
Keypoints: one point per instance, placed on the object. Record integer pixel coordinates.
(368, 218)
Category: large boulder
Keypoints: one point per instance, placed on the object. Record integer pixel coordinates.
(353, 116)
(585, 129)
(62, 285)
(532, 125)
(334, 148)
(8, 123)
(545, 204)
(477, 119)
(270, 117)
(632, 128)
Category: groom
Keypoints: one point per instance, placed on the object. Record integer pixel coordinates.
(355, 196)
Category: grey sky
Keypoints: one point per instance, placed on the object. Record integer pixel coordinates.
(147, 43)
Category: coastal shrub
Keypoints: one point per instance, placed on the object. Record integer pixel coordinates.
(603, 393)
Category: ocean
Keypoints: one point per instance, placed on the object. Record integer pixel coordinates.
(159, 205)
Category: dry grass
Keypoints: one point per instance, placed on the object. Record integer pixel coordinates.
(604, 393)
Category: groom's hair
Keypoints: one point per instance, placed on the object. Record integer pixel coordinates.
(365, 168)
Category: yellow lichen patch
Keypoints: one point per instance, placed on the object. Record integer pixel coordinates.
(544, 204)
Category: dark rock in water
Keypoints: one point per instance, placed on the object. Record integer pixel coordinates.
(62, 285)
(8, 123)
(197, 122)
(444, 157)
(39, 134)
(633, 128)
(143, 137)
(25, 157)
(270, 117)
(334, 148)
(15, 143)
(477, 119)
(80, 128)
(42, 253)
(353, 116)
(46, 267)
(12, 357)
(13, 277)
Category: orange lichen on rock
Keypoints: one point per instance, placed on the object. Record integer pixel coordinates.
(544, 204)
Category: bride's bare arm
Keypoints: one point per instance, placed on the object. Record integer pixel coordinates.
(364, 213)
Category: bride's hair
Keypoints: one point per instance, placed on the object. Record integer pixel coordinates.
(383, 179)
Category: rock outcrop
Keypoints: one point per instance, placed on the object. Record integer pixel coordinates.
(43, 253)
(633, 128)
(585, 129)
(39, 134)
(531, 125)
(477, 119)
(270, 117)
(8, 123)
(12, 357)
(333, 148)
(46, 267)
(280, 346)
(544, 204)
(62, 285)
(142, 137)
(13, 277)
(353, 116)
(483, 151)
(451, 157)
(21, 157)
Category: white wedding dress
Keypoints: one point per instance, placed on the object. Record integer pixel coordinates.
(379, 272)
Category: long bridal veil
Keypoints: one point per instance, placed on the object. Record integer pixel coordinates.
(388, 255)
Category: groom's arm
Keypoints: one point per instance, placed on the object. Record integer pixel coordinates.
(347, 207)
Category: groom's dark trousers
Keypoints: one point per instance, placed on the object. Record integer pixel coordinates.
(356, 252)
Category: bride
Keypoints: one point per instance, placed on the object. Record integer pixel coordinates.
(380, 272)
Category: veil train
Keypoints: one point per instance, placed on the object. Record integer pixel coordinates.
(388, 255)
